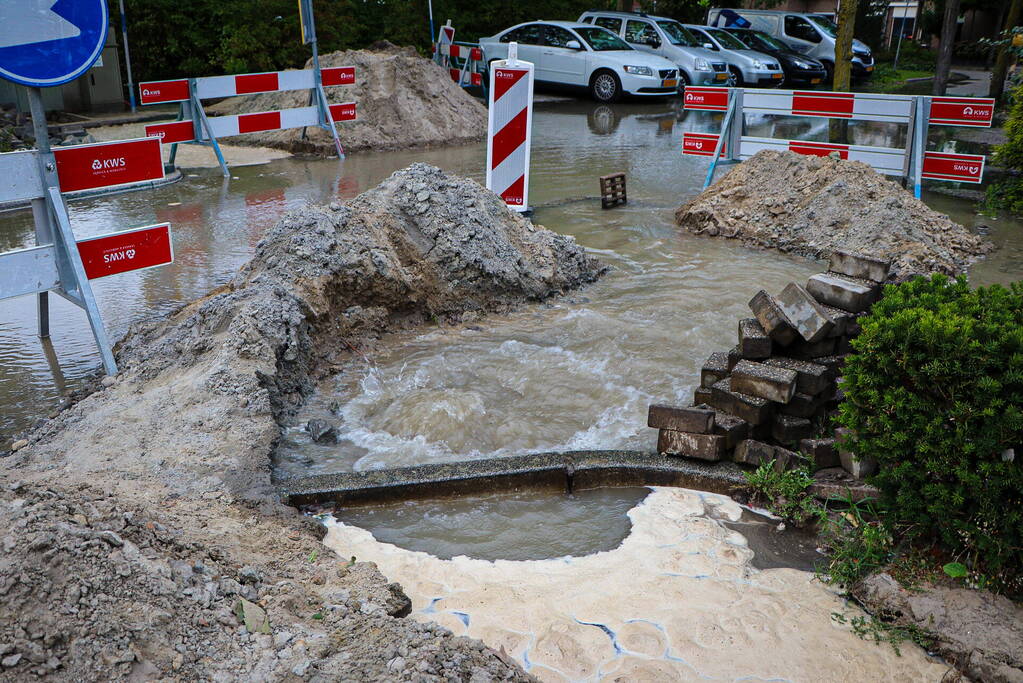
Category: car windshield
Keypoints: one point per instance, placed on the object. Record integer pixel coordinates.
(824, 24)
(601, 40)
(727, 40)
(768, 41)
(677, 34)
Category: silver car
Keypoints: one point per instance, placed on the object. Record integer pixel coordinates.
(749, 68)
(665, 37)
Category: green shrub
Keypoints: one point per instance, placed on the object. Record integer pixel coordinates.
(786, 494)
(934, 392)
(1003, 195)
(1010, 153)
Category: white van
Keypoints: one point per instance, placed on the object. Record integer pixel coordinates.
(805, 32)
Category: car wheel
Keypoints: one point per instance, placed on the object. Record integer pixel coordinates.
(737, 81)
(683, 81)
(605, 86)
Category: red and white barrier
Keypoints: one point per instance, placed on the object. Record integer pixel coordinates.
(701, 144)
(962, 111)
(835, 105)
(705, 98)
(157, 92)
(509, 130)
(127, 250)
(256, 122)
(106, 164)
(963, 168)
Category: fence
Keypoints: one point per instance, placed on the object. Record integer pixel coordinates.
(464, 61)
(912, 162)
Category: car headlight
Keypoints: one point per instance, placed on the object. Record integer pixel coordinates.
(703, 65)
(800, 64)
(757, 64)
(639, 70)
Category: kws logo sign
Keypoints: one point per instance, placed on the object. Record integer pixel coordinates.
(108, 164)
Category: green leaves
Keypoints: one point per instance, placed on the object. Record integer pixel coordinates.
(956, 570)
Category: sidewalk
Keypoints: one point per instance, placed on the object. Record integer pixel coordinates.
(978, 83)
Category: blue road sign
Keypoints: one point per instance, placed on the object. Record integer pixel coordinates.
(49, 42)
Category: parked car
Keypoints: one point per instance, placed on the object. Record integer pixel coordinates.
(809, 34)
(667, 38)
(749, 68)
(574, 56)
(799, 69)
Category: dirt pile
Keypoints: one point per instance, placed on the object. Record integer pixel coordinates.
(814, 205)
(403, 101)
(187, 430)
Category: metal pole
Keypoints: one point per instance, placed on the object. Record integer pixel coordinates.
(902, 29)
(433, 36)
(923, 112)
(43, 220)
(127, 57)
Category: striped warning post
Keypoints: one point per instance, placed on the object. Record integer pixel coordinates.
(509, 131)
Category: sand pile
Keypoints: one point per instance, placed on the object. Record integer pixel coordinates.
(814, 205)
(404, 100)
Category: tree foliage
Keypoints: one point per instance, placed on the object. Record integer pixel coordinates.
(934, 392)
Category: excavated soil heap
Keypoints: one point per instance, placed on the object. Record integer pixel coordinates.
(137, 520)
(403, 101)
(813, 205)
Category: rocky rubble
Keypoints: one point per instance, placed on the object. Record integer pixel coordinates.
(187, 430)
(814, 205)
(404, 100)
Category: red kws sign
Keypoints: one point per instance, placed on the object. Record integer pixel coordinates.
(831, 104)
(342, 112)
(700, 144)
(818, 149)
(169, 133)
(84, 167)
(155, 92)
(121, 252)
(338, 75)
(962, 111)
(706, 99)
(966, 168)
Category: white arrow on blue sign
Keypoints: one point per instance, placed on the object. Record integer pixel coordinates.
(49, 42)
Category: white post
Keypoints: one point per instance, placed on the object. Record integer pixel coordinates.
(509, 129)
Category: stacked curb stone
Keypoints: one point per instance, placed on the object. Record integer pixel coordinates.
(772, 397)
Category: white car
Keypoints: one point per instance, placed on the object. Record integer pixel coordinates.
(578, 56)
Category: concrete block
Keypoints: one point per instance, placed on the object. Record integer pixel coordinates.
(841, 319)
(833, 363)
(753, 341)
(715, 369)
(733, 357)
(680, 419)
(701, 446)
(785, 460)
(843, 292)
(701, 395)
(752, 452)
(859, 265)
(821, 452)
(803, 350)
(733, 428)
(808, 316)
(772, 318)
(763, 381)
(787, 429)
(802, 405)
(752, 409)
(811, 378)
(861, 469)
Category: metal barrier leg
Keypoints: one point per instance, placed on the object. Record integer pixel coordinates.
(328, 117)
(726, 129)
(67, 243)
(922, 111)
(207, 129)
(43, 224)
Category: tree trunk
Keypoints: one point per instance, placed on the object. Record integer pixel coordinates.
(948, 39)
(843, 46)
(1004, 53)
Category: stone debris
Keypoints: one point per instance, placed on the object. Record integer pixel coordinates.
(859, 266)
(846, 293)
(772, 397)
(831, 205)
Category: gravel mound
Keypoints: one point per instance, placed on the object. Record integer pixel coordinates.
(187, 430)
(813, 205)
(404, 100)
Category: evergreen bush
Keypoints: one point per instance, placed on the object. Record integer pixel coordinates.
(934, 392)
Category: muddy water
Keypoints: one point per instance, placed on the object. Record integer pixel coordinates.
(577, 373)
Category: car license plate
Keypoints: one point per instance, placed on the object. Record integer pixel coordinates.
(721, 77)
(869, 69)
(776, 76)
(669, 83)
(814, 81)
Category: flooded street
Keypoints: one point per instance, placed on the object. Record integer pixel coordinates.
(578, 373)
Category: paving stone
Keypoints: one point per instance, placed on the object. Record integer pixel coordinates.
(805, 313)
(821, 452)
(785, 460)
(803, 350)
(753, 341)
(859, 265)
(834, 364)
(695, 420)
(843, 292)
(701, 395)
(752, 452)
(841, 319)
(861, 469)
(811, 378)
(733, 357)
(764, 381)
(733, 428)
(772, 318)
(802, 405)
(788, 429)
(715, 369)
(702, 446)
(750, 408)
